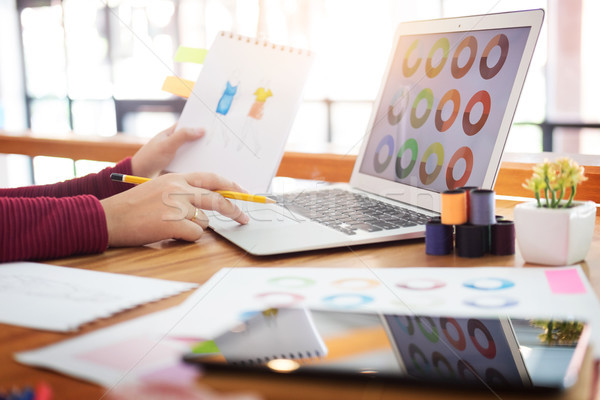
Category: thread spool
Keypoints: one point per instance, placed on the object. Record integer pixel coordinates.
(503, 238)
(454, 207)
(471, 240)
(468, 190)
(483, 207)
(439, 238)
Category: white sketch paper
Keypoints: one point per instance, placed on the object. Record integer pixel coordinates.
(246, 98)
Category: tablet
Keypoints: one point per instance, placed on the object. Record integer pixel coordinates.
(498, 353)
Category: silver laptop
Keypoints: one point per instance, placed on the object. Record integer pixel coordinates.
(439, 122)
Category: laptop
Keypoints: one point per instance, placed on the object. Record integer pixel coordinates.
(440, 122)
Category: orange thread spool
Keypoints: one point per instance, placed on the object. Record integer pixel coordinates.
(454, 207)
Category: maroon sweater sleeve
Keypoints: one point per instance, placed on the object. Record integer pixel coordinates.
(98, 185)
(44, 227)
(53, 221)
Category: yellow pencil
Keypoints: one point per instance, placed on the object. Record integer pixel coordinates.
(245, 196)
(225, 193)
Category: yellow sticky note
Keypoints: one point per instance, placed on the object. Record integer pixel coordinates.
(190, 54)
(178, 86)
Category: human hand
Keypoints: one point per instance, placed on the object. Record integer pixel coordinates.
(168, 207)
(155, 155)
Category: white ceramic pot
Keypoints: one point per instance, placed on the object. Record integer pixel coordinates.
(554, 236)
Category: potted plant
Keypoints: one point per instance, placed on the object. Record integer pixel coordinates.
(555, 229)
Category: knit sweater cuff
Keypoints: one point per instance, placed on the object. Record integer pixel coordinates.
(47, 228)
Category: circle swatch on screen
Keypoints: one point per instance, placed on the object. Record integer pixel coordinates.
(460, 343)
(437, 359)
(466, 371)
(291, 282)
(466, 154)
(387, 141)
(421, 365)
(427, 95)
(400, 103)
(407, 327)
(471, 43)
(421, 284)
(489, 284)
(406, 69)
(428, 329)
(488, 350)
(501, 41)
(280, 299)
(437, 149)
(444, 45)
(491, 302)
(412, 145)
(482, 97)
(347, 300)
(453, 96)
(355, 283)
(494, 378)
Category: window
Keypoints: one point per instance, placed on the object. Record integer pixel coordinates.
(97, 67)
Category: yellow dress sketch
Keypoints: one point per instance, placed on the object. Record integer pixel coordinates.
(257, 109)
(250, 138)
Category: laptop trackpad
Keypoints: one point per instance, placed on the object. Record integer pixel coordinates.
(266, 217)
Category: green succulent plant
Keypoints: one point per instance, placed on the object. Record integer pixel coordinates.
(556, 180)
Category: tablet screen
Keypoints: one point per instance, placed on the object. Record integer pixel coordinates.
(497, 353)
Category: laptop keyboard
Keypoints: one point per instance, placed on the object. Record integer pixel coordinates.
(348, 212)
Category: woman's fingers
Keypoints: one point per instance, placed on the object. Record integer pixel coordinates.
(212, 181)
(208, 200)
(189, 231)
(197, 216)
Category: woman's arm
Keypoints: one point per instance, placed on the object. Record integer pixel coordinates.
(45, 228)
(148, 161)
(98, 185)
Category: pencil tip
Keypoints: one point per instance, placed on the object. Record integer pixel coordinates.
(271, 201)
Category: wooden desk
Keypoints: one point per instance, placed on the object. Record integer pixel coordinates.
(327, 165)
(197, 262)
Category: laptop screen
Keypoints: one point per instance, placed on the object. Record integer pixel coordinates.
(442, 106)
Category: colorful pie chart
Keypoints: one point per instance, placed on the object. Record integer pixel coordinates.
(427, 95)
(410, 144)
(444, 45)
(468, 43)
(428, 178)
(463, 153)
(453, 96)
(408, 70)
(501, 41)
(482, 97)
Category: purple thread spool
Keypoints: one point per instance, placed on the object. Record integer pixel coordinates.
(483, 207)
(439, 238)
(503, 238)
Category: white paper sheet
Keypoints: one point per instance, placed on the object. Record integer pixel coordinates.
(55, 298)
(246, 98)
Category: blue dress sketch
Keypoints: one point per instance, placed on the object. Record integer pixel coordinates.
(219, 127)
(226, 99)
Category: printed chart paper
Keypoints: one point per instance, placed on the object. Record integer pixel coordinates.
(151, 345)
(246, 98)
(55, 298)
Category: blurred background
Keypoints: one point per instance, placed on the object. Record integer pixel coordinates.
(96, 67)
